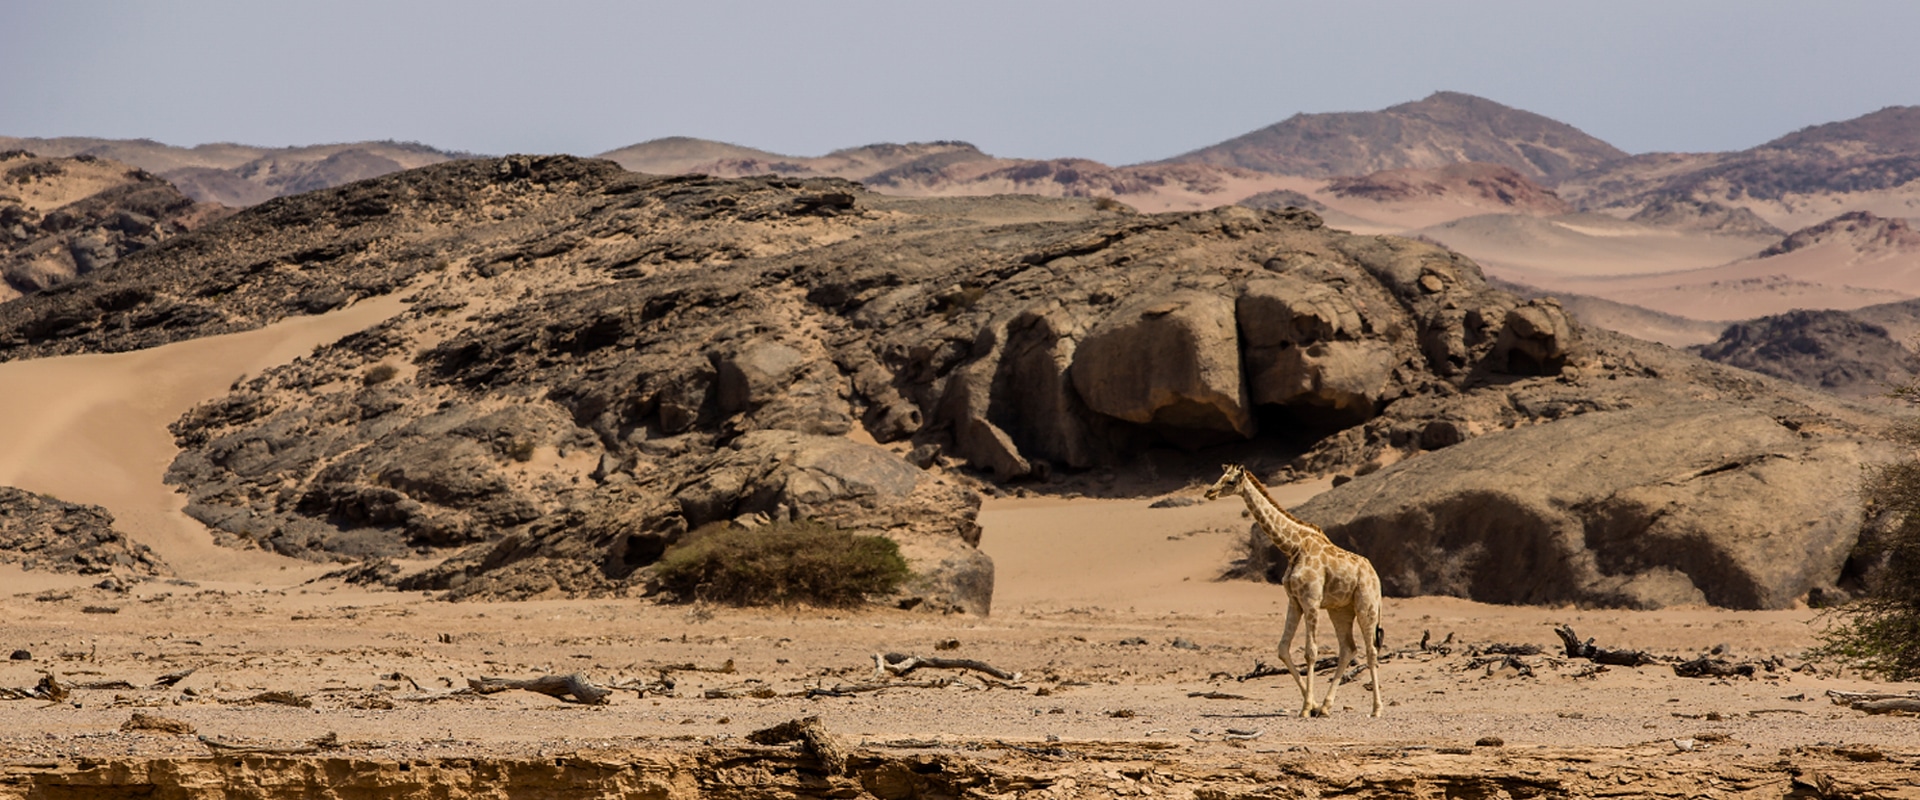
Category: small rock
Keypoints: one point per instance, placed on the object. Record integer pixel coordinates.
(1859, 752)
(1122, 713)
(947, 644)
(1178, 501)
(20, 655)
(1185, 644)
(924, 456)
(1133, 641)
(149, 722)
(1490, 741)
(1432, 283)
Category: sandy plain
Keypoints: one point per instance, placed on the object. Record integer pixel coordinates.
(1130, 650)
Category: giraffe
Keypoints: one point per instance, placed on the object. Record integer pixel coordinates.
(1319, 575)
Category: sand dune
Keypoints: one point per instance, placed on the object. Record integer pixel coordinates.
(93, 429)
(1125, 556)
(1544, 251)
(1847, 262)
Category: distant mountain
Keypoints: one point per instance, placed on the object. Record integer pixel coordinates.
(886, 162)
(1445, 128)
(948, 168)
(678, 155)
(242, 175)
(1894, 129)
(1868, 163)
(65, 217)
(1490, 184)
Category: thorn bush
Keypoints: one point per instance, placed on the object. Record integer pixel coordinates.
(783, 563)
(378, 374)
(1879, 631)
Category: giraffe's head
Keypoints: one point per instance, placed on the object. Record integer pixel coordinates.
(1229, 481)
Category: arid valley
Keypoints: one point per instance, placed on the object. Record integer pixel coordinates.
(308, 448)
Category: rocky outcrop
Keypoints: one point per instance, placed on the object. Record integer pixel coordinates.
(1861, 230)
(1832, 350)
(1170, 362)
(596, 362)
(40, 532)
(1708, 216)
(1640, 507)
(61, 217)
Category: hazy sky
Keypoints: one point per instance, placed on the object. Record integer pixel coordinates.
(1118, 81)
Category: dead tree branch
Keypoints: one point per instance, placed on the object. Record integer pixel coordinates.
(49, 689)
(899, 664)
(1877, 702)
(848, 689)
(331, 741)
(1600, 655)
(561, 686)
(1710, 667)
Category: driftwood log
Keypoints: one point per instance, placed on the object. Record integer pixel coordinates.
(171, 678)
(752, 688)
(1493, 662)
(1710, 667)
(1878, 702)
(575, 686)
(813, 736)
(330, 741)
(1601, 655)
(899, 664)
(850, 689)
(49, 689)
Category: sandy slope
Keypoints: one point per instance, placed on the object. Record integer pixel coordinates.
(1110, 610)
(93, 428)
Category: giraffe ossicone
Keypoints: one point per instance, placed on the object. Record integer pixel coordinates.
(1319, 575)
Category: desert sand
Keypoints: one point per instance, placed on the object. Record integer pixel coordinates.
(1130, 649)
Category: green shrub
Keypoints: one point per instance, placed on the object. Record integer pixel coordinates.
(780, 564)
(1879, 631)
(378, 374)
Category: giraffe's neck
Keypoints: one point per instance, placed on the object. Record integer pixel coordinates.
(1290, 536)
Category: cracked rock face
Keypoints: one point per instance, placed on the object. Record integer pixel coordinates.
(1171, 363)
(594, 362)
(1642, 507)
(40, 532)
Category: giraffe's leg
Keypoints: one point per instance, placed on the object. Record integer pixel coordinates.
(1369, 619)
(1286, 643)
(1312, 613)
(1343, 634)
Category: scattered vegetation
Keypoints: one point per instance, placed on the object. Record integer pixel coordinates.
(378, 374)
(807, 563)
(958, 299)
(1879, 631)
(520, 450)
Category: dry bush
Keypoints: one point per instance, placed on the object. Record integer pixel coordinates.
(379, 374)
(780, 564)
(1879, 631)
